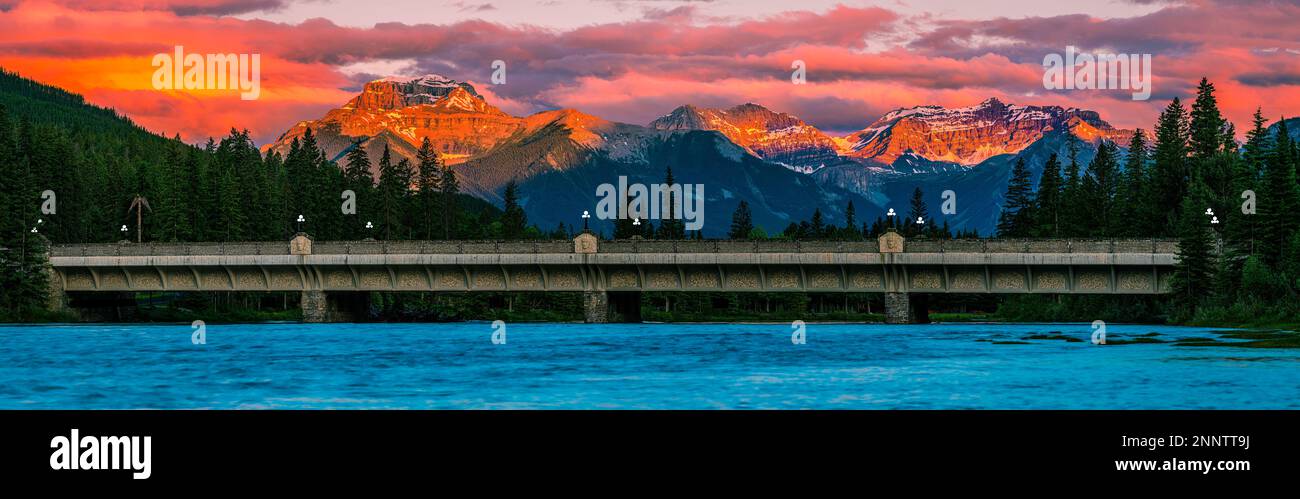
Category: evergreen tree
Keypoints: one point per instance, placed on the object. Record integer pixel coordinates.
(1169, 174)
(448, 192)
(360, 181)
(1279, 201)
(742, 222)
(916, 211)
(1133, 194)
(1206, 127)
(817, 228)
(1047, 205)
(850, 221)
(513, 220)
(1072, 220)
(1241, 235)
(428, 183)
(1194, 267)
(394, 189)
(1097, 192)
(1014, 221)
(671, 226)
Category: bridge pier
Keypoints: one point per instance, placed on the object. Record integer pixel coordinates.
(595, 307)
(319, 306)
(315, 306)
(907, 308)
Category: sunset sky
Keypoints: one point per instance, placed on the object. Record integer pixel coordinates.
(634, 60)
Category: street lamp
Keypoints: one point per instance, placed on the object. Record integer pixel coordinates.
(300, 221)
(585, 215)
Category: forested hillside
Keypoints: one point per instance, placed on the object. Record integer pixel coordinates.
(72, 173)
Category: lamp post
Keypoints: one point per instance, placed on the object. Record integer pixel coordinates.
(585, 216)
(300, 221)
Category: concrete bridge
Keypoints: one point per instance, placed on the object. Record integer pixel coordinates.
(611, 274)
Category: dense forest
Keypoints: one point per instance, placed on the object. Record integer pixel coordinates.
(80, 173)
(1231, 206)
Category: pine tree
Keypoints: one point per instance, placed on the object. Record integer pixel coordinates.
(1206, 127)
(361, 182)
(917, 211)
(1047, 206)
(1097, 192)
(428, 184)
(817, 228)
(1014, 221)
(671, 227)
(513, 220)
(850, 221)
(1279, 201)
(1133, 193)
(394, 188)
(1194, 267)
(1241, 235)
(742, 222)
(1072, 220)
(449, 191)
(1169, 174)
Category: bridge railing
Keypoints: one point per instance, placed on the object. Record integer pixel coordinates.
(1040, 246)
(621, 246)
(720, 246)
(171, 249)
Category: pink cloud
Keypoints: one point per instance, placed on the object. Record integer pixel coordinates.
(635, 71)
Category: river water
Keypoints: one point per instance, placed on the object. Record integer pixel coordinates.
(634, 366)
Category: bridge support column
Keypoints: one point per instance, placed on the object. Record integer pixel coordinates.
(905, 308)
(315, 306)
(595, 307)
(897, 308)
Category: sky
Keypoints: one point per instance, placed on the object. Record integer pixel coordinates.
(635, 60)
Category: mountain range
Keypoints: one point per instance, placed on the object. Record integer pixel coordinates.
(783, 167)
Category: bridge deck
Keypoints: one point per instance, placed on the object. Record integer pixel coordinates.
(956, 266)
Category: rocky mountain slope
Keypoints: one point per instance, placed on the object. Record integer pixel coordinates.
(782, 166)
(776, 137)
(969, 135)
